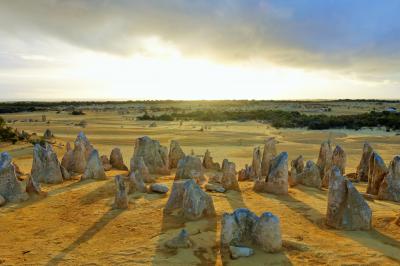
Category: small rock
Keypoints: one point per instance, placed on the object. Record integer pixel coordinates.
(180, 241)
(237, 252)
(159, 188)
(214, 188)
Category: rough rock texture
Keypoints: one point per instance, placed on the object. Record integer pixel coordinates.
(48, 134)
(193, 202)
(208, 162)
(237, 252)
(175, 154)
(180, 241)
(390, 186)
(121, 197)
(2, 200)
(229, 180)
(65, 174)
(277, 181)
(268, 155)
(94, 167)
(10, 188)
(67, 160)
(106, 163)
(245, 173)
(190, 167)
(116, 160)
(243, 226)
(75, 160)
(154, 155)
(310, 175)
(45, 165)
(159, 188)
(376, 174)
(18, 171)
(256, 164)
(214, 188)
(33, 187)
(363, 166)
(346, 209)
(325, 158)
(338, 161)
(136, 184)
(297, 167)
(142, 171)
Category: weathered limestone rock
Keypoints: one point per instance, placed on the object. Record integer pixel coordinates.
(45, 165)
(208, 162)
(68, 158)
(347, 209)
(297, 167)
(268, 155)
(245, 173)
(363, 167)
(193, 202)
(154, 155)
(237, 252)
(106, 163)
(116, 160)
(142, 171)
(277, 181)
(94, 167)
(33, 187)
(324, 162)
(175, 154)
(214, 188)
(81, 153)
(215, 178)
(18, 171)
(390, 186)
(159, 188)
(229, 180)
(339, 161)
(377, 172)
(10, 188)
(190, 167)
(121, 197)
(136, 184)
(64, 172)
(256, 164)
(243, 226)
(180, 241)
(2, 201)
(48, 134)
(310, 175)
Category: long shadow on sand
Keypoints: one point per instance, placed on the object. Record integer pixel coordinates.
(86, 236)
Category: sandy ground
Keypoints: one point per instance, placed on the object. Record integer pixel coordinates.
(76, 225)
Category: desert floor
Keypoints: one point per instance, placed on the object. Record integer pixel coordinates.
(76, 225)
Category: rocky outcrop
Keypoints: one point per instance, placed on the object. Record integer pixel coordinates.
(68, 158)
(208, 162)
(346, 209)
(310, 175)
(180, 241)
(243, 226)
(268, 155)
(297, 167)
(192, 202)
(94, 167)
(106, 163)
(142, 171)
(121, 197)
(190, 167)
(75, 160)
(175, 154)
(324, 162)
(136, 184)
(229, 180)
(389, 189)
(116, 160)
(363, 166)
(256, 164)
(338, 161)
(10, 188)
(45, 165)
(377, 172)
(245, 173)
(154, 155)
(277, 180)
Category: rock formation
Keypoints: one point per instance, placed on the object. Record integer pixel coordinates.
(268, 155)
(2, 201)
(214, 188)
(237, 252)
(324, 162)
(159, 188)
(208, 162)
(33, 187)
(376, 174)
(175, 154)
(154, 155)
(256, 164)
(245, 173)
(277, 180)
(75, 160)
(10, 188)
(190, 167)
(338, 161)
(116, 160)
(136, 184)
(106, 163)
(45, 165)
(142, 171)
(48, 134)
(363, 167)
(180, 241)
(243, 226)
(121, 197)
(310, 176)
(229, 180)
(192, 202)
(390, 187)
(297, 167)
(68, 158)
(346, 209)
(94, 167)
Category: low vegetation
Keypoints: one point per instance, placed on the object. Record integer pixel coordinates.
(7, 133)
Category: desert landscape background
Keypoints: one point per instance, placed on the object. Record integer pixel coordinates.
(76, 225)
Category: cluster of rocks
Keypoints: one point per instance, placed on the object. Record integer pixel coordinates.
(208, 162)
(190, 167)
(75, 160)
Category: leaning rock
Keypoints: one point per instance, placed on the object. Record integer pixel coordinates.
(237, 252)
(297, 167)
(154, 155)
(390, 186)
(268, 155)
(208, 162)
(180, 241)
(159, 188)
(363, 167)
(310, 176)
(193, 202)
(377, 172)
(325, 158)
(256, 164)
(94, 167)
(143, 172)
(121, 197)
(136, 184)
(190, 167)
(229, 180)
(277, 181)
(45, 165)
(175, 154)
(214, 188)
(106, 163)
(10, 188)
(116, 160)
(347, 209)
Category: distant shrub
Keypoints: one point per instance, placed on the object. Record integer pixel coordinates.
(77, 112)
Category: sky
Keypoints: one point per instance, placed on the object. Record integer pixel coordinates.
(199, 49)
